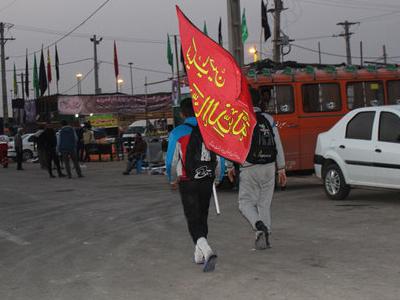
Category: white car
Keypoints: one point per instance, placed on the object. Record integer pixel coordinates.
(362, 149)
(28, 146)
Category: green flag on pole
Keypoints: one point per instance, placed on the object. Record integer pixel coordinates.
(15, 83)
(170, 57)
(35, 77)
(245, 33)
(205, 28)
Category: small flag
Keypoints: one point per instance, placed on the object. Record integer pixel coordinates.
(49, 77)
(264, 21)
(220, 41)
(116, 66)
(205, 28)
(183, 61)
(57, 66)
(15, 83)
(169, 54)
(35, 77)
(26, 75)
(42, 75)
(245, 33)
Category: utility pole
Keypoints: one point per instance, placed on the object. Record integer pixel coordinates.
(277, 30)
(361, 54)
(235, 31)
(130, 69)
(95, 42)
(319, 53)
(384, 55)
(347, 34)
(3, 41)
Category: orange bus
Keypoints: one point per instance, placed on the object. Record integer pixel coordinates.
(310, 100)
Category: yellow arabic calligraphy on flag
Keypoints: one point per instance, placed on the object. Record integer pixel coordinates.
(221, 99)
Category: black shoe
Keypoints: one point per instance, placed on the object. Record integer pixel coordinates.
(125, 173)
(69, 177)
(52, 176)
(61, 175)
(80, 176)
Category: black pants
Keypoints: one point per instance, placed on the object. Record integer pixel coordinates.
(51, 156)
(195, 196)
(19, 160)
(87, 152)
(66, 156)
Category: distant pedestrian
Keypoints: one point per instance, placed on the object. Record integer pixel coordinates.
(50, 145)
(136, 155)
(19, 149)
(4, 150)
(67, 147)
(88, 140)
(39, 140)
(194, 169)
(80, 147)
(257, 174)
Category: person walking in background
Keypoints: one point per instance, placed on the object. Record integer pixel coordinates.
(67, 147)
(50, 145)
(19, 148)
(4, 150)
(80, 147)
(257, 174)
(194, 169)
(136, 155)
(39, 143)
(88, 140)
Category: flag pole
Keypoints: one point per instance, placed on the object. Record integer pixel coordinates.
(177, 68)
(216, 202)
(261, 37)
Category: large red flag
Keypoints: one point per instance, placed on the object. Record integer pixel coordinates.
(220, 94)
(116, 67)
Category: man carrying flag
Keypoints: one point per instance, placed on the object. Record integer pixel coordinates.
(194, 168)
(219, 121)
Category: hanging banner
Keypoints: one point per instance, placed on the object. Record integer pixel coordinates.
(220, 94)
(114, 104)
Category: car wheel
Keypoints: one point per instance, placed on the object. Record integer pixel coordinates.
(27, 155)
(334, 183)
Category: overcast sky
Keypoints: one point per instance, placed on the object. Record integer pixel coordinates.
(140, 29)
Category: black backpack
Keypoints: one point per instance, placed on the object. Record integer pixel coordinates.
(200, 163)
(263, 147)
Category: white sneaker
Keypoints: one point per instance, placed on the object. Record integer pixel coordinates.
(198, 256)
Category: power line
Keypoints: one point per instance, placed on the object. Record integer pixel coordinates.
(339, 55)
(82, 79)
(8, 5)
(137, 68)
(61, 64)
(72, 30)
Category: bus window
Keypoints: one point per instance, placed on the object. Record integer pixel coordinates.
(277, 99)
(394, 92)
(324, 97)
(362, 94)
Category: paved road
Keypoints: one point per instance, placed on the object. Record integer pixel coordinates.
(109, 236)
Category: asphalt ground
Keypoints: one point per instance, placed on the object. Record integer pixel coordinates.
(109, 236)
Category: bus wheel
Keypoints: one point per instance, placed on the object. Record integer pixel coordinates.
(334, 183)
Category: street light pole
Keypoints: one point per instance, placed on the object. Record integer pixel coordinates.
(79, 85)
(130, 69)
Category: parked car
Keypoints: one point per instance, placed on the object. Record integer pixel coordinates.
(28, 145)
(362, 149)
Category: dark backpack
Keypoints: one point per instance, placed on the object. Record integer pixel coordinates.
(263, 147)
(200, 163)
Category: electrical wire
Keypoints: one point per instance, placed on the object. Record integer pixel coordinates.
(7, 5)
(76, 84)
(339, 55)
(53, 65)
(137, 68)
(71, 31)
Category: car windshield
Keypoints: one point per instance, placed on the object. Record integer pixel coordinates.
(136, 129)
